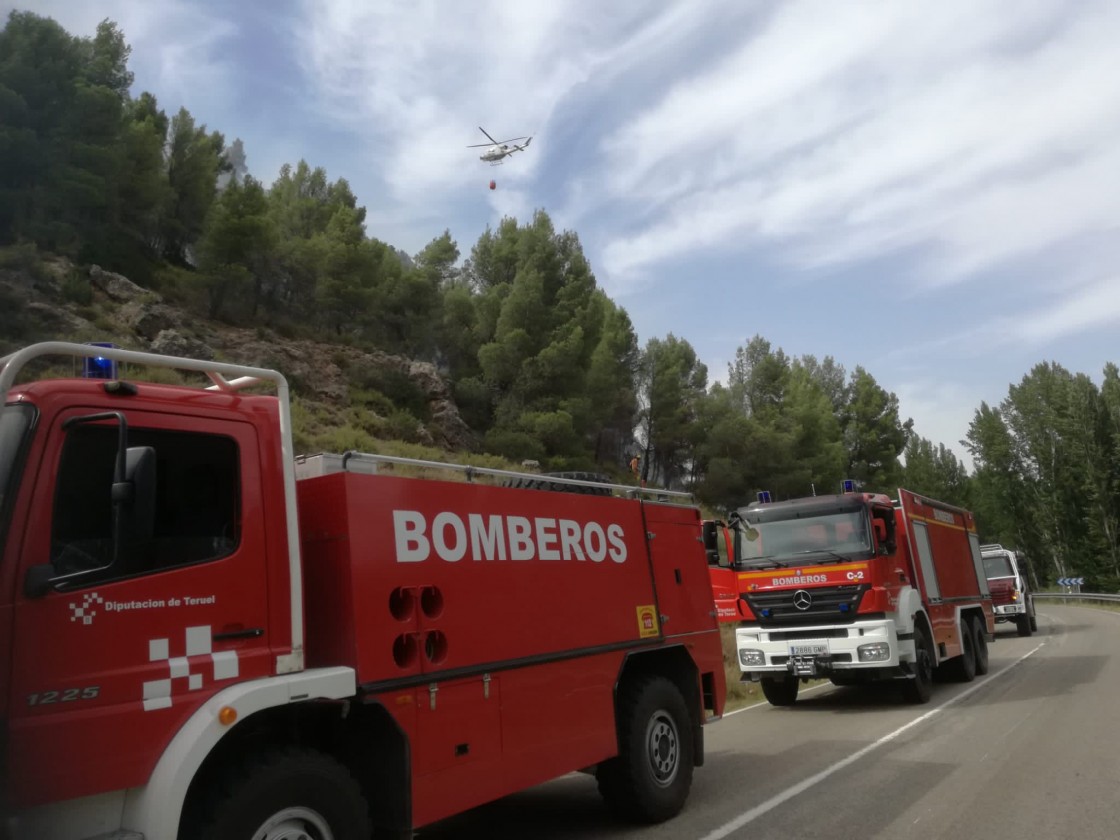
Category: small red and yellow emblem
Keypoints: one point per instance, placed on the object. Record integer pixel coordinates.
(647, 621)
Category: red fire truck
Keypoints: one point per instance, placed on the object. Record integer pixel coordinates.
(203, 637)
(857, 588)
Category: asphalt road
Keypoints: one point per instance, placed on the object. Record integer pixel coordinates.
(1030, 750)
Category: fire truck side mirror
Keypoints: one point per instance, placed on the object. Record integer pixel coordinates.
(37, 582)
(882, 538)
(709, 531)
(139, 508)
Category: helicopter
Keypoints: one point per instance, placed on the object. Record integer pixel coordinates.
(497, 150)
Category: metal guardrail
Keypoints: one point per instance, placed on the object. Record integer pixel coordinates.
(1078, 596)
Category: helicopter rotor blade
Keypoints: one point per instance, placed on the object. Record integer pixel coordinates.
(488, 137)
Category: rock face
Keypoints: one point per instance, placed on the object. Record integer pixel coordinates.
(116, 286)
(321, 369)
(141, 319)
(173, 343)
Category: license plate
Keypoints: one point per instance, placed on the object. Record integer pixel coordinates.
(808, 650)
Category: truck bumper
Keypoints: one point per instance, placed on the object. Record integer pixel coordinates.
(1009, 612)
(865, 650)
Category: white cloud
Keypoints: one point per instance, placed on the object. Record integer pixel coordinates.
(1035, 321)
(844, 132)
(418, 78)
(177, 46)
(942, 410)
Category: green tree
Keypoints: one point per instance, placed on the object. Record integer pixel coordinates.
(673, 387)
(874, 436)
(237, 242)
(194, 159)
(934, 471)
(538, 328)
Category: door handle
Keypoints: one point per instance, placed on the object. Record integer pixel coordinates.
(249, 633)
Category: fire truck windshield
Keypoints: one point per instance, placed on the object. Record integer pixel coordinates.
(997, 566)
(15, 420)
(832, 537)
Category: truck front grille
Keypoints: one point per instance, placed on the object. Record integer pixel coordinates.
(827, 604)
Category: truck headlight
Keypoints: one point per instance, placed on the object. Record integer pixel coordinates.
(875, 652)
(749, 658)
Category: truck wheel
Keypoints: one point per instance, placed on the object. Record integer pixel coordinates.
(920, 688)
(1034, 619)
(780, 692)
(648, 781)
(980, 641)
(1023, 624)
(963, 667)
(283, 794)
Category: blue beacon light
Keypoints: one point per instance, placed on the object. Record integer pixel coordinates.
(99, 367)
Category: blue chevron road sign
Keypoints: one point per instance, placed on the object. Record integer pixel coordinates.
(1067, 581)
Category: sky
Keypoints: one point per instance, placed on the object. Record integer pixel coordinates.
(929, 191)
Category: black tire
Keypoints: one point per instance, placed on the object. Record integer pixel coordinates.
(1023, 625)
(919, 688)
(781, 692)
(649, 780)
(1034, 618)
(542, 483)
(980, 642)
(963, 668)
(288, 788)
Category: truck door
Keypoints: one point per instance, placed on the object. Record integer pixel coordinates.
(725, 581)
(131, 636)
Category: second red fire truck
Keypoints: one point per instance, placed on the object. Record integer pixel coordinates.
(855, 588)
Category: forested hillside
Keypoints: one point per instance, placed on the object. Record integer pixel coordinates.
(540, 362)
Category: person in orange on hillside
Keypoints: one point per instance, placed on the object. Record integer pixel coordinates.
(636, 468)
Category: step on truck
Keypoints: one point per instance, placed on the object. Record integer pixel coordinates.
(202, 636)
(856, 588)
(1011, 594)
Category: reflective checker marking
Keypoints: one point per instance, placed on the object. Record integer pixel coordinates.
(157, 693)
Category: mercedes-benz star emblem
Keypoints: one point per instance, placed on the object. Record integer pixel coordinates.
(802, 600)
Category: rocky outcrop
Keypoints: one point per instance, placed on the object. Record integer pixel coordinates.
(173, 343)
(56, 319)
(117, 287)
(321, 370)
(129, 315)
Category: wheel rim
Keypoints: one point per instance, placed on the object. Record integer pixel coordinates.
(294, 824)
(663, 747)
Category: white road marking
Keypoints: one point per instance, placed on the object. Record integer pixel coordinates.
(763, 704)
(802, 786)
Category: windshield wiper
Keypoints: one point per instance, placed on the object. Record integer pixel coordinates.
(764, 562)
(838, 558)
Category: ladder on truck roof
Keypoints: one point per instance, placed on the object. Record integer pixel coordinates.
(224, 377)
(309, 466)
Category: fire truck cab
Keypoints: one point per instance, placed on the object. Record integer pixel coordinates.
(857, 588)
(202, 636)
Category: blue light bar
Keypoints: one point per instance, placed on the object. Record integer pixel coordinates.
(845, 607)
(98, 367)
(849, 485)
(764, 496)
